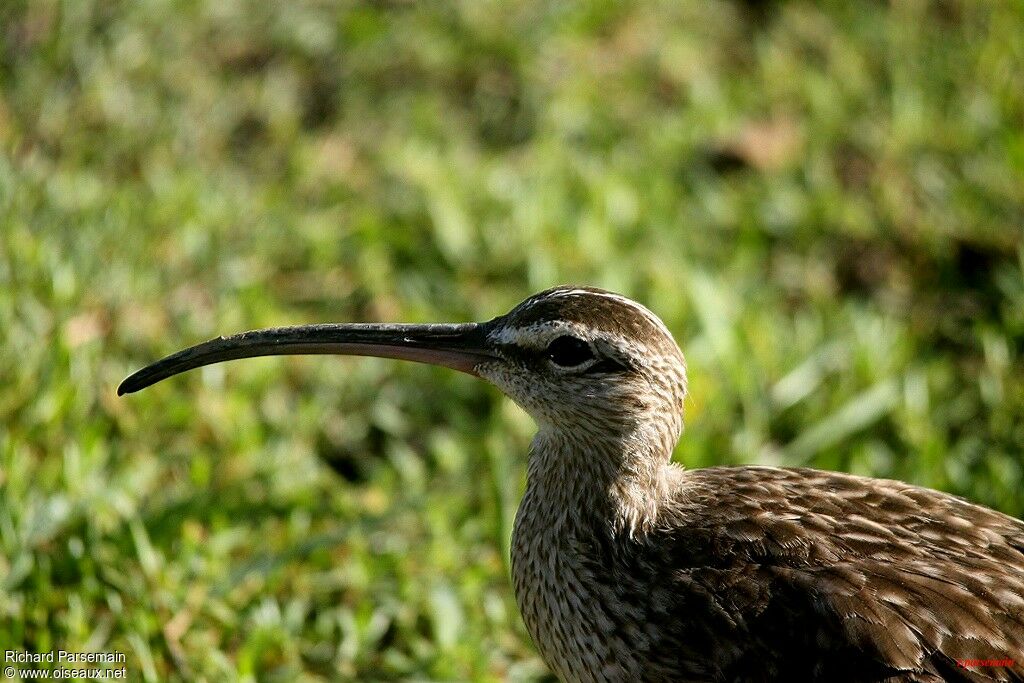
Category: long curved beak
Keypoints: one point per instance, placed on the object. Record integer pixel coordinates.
(459, 346)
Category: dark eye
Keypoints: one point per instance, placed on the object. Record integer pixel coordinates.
(568, 352)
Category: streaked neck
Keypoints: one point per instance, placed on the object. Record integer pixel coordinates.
(620, 481)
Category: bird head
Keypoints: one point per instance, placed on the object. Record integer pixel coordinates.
(576, 359)
(588, 360)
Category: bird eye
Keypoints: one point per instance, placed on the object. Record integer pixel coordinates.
(568, 352)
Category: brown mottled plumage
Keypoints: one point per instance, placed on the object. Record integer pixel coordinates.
(628, 568)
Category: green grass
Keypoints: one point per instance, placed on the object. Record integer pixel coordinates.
(823, 200)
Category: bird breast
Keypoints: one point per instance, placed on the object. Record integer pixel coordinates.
(578, 612)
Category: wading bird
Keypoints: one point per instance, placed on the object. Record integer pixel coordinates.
(627, 567)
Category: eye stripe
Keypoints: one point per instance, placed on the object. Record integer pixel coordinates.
(607, 365)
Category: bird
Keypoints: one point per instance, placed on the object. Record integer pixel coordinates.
(628, 567)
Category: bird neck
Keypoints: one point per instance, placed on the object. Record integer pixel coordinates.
(619, 481)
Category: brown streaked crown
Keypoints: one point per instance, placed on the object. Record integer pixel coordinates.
(599, 310)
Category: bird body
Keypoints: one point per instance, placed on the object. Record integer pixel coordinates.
(772, 574)
(627, 567)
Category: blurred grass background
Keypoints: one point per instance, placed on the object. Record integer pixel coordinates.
(823, 200)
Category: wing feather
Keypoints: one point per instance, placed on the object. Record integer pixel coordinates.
(847, 578)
